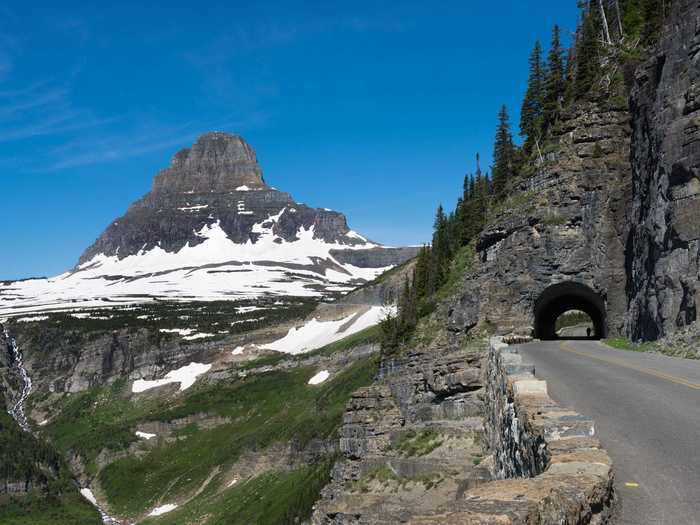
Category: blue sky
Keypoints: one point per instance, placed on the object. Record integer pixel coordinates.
(375, 109)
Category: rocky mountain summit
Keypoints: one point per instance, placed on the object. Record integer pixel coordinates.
(211, 228)
(217, 179)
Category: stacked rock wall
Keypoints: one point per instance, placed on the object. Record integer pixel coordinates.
(503, 451)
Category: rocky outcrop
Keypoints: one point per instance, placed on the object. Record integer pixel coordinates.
(663, 269)
(564, 224)
(410, 442)
(216, 163)
(518, 459)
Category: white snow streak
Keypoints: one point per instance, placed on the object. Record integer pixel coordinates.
(186, 376)
(88, 495)
(145, 435)
(106, 518)
(163, 509)
(317, 334)
(319, 378)
(32, 319)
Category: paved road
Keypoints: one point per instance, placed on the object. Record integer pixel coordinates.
(647, 413)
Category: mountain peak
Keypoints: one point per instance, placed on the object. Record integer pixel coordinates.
(217, 162)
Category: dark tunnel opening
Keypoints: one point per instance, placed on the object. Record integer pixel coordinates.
(563, 297)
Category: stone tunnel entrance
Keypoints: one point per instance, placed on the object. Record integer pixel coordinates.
(563, 297)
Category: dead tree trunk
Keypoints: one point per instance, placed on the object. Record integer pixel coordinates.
(619, 18)
(605, 22)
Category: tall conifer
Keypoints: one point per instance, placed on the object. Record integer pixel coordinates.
(503, 150)
(532, 109)
(587, 53)
(555, 83)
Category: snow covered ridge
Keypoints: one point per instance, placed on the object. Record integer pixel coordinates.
(216, 269)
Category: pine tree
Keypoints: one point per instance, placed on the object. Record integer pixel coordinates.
(440, 249)
(532, 109)
(587, 53)
(503, 150)
(555, 83)
(632, 20)
(421, 280)
(653, 15)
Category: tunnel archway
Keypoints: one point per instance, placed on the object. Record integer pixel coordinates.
(562, 297)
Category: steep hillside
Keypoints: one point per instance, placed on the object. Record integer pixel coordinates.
(154, 410)
(195, 357)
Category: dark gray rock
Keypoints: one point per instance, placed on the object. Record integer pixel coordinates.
(614, 207)
(663, 245)
(216, 163)
(567, 223)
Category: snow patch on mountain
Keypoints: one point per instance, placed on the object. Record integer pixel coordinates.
(163, 509)
(186, 376)
(316, 334)
(215, 269)
(319, 378)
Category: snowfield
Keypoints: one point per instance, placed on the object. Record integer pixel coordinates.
(88, 495)
(319, 378)
(317, 334)
(215, 269)
(163, 509)
(186, 376)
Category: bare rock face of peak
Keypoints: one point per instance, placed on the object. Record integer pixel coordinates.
(217, 162)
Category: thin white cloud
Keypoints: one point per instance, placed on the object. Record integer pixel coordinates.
(41, 109)
(115, 147)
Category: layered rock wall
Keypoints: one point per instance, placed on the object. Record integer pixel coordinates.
(566, 223)
(491, 447)
(663, 263)
(613, 204)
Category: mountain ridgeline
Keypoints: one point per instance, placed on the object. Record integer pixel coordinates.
(211, 229)
(218, 177)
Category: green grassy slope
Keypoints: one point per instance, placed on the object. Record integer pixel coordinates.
(275, 407)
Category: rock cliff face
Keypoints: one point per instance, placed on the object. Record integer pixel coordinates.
(663, 249)
(565, 224)
(216, 163)
(609, 223)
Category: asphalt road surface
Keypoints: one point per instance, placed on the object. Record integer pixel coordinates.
(646, 409)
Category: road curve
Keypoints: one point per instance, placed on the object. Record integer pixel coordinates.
(647, 413)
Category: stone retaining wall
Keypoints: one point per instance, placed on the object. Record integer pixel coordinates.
(543, 453)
